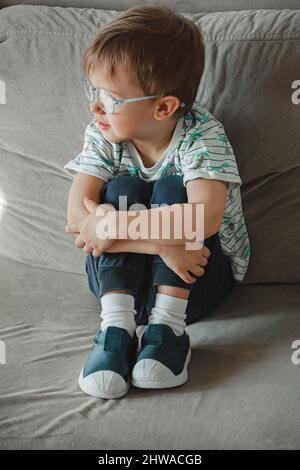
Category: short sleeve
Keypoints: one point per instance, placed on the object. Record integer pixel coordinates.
(97, 156)
(208, 153)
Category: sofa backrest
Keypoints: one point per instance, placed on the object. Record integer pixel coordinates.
(251, 66)
(189, 6)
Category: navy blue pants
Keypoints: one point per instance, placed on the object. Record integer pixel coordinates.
(140, 273)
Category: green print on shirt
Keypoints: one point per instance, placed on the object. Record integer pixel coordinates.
(164, 169)
(247, 251)
(201, 154)
(219, 168)
(103, 159)
(193, 137)
(203, 118)
(133, 170)
(222, 138)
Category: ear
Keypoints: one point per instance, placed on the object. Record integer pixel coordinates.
(166, 106)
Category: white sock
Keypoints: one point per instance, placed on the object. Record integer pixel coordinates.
(118, 310)
(170, 311)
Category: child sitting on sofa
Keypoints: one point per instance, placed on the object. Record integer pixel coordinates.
(151, 141)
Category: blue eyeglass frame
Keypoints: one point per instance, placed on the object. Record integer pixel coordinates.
(115, 100)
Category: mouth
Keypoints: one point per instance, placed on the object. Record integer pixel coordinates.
(103, 125)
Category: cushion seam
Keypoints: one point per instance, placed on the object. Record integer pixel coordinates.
(9, 32)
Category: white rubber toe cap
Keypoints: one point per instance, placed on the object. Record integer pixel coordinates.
(148, 373)
(103, 384)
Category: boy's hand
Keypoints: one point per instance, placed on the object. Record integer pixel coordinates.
(181, 260)
(89, 237)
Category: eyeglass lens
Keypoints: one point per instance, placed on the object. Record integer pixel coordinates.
(103, 97)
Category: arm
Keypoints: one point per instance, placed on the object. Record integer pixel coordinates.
(135, 246)
(182, 262)
(82, 185)
(211, 193)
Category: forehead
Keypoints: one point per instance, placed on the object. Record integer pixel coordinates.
(117, 83)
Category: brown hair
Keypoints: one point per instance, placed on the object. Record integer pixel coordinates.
(163, 51)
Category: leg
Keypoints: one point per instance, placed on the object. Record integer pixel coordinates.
(175, 291)
(169, 190)
(166, 351)
(211, 288)
(106, 373)
(208, 291)
(121, 272)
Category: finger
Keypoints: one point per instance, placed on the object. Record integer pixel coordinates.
(73, 233)
(96, 252)
(197, 271)
(102, 209)
(203, 261)
(79, 242)
(202, 257)
(72, 228)
(90, 204)
(108, 207)
(206, 251)
(87, 248)
(188, 278)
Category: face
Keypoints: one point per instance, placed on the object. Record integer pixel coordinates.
(137, 120)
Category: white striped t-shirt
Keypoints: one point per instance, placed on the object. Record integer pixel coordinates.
(199, 147)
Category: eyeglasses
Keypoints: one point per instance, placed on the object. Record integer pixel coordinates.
(107, 101)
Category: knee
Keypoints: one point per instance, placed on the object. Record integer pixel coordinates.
(135, 190)
(169, 190)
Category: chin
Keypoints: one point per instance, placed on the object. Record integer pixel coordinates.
(115, 139)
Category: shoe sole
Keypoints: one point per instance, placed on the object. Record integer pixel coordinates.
(179, 379)
(86, 387)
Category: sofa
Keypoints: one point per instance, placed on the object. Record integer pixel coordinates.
(244, 377)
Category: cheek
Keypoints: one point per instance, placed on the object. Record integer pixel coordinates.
(127, 126)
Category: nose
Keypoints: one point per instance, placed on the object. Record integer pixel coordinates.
(95, 108)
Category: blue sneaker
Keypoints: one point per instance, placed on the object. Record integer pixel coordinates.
(106, 373)
(163, 359)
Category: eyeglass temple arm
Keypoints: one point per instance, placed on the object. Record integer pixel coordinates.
(130, 100)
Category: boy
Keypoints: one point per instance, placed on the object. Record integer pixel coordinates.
(151, 141)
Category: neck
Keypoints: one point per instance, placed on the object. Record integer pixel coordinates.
(154, 148)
